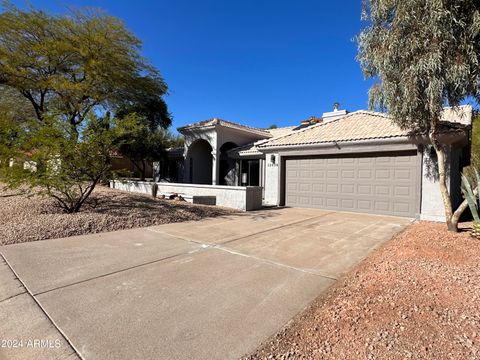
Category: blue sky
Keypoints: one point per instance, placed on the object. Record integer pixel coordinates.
(254, 62)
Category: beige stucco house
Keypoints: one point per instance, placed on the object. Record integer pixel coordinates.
(359, 161)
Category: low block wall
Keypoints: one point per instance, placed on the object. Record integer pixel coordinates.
(245, 198)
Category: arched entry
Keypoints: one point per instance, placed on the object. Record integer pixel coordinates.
(199, 161)
(227, 165)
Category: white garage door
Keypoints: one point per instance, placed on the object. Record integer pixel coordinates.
(384, 183)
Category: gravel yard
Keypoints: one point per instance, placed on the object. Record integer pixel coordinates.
(25, 219)
(417, 297)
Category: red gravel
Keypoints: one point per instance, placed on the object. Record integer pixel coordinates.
(25, 219)
(417, 297)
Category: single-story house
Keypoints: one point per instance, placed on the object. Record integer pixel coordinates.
(359, 161)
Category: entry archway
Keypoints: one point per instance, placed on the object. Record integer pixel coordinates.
(200, 162)
(227, 169)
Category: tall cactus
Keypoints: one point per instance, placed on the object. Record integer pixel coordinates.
(473, 202)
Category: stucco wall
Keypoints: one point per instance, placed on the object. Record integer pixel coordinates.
(191, 138)
(225, 134)
(216, 136)
(237, 197)
(432, 208)
(272, 180)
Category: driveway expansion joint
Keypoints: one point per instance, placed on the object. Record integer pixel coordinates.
(296, 222)
(275, 263)
(230, 240)
(219, 246)
(42, 309)
(13, 296)
(114, 272)
(175, 236)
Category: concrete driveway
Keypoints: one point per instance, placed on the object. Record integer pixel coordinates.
(212, 289)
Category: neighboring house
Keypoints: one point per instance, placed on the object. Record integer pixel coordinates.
(118, 162)
(357, 161)
(122, 164)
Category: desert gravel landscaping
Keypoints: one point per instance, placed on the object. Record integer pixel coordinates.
(24, 219)
(417, 297)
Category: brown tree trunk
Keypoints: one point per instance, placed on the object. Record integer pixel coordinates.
(463, 206)
(442, 179)
(84, 196)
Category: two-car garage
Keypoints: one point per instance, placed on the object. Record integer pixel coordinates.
(364, 162)
(379, 183)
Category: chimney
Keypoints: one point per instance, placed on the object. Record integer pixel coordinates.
(335, 114)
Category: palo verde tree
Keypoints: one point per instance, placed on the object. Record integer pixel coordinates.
(425, 54)
(49, 159)
(13, 111)
(70, 72)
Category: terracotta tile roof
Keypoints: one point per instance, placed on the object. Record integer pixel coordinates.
(359, 125)
(356, 126)
(247, 149)
(462, 114)
(252, 148)
(230, 124)
(114, 153)
(250, 151)
(281, 131)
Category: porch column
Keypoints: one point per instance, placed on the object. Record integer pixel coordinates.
(186, 166)
(238, 166)
(215, 168)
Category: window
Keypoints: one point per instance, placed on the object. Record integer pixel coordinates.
(250, 173)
